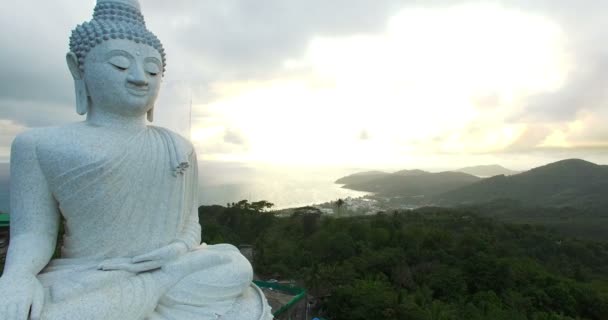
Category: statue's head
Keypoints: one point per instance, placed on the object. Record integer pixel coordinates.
(116, 63)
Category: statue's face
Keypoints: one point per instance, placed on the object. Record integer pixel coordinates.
(123, 77)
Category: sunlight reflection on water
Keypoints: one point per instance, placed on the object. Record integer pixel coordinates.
(284, 186)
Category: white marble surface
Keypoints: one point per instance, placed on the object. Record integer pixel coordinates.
(128, 193)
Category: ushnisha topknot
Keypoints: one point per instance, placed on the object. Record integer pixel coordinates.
(113, 19)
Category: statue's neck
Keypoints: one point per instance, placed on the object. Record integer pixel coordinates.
(115, 121)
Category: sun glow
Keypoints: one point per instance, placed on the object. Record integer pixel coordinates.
(435, 81)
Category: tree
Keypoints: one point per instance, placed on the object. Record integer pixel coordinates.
(340, 206)
(261, 206)
(363, 300)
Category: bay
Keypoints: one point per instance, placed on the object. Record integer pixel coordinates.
(285, 186)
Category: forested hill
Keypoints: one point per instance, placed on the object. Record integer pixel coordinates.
(571, 183)
(409, 182)
(567, 183)
(362, 177)
(487, 170)
(424, 264)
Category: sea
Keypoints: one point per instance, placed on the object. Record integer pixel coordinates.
(284, 186)
(221, 183)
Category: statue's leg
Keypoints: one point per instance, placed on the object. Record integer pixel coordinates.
(130, 299)
(214, 292)
(122, 295)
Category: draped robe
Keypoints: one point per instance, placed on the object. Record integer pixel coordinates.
(137, 196)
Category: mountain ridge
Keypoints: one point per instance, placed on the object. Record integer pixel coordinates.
(361, 177)
(570, 182)
(489, 170)
(409, 182)
(566, 183)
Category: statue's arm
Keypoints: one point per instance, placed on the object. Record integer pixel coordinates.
(187, 239)
(191, 234)
(34, 212)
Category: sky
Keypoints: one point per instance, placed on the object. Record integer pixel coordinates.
(344, 83)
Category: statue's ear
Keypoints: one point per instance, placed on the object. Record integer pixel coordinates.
(72, 61)
(82, 96)
(150, 114)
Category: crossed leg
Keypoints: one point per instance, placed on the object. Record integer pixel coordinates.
(192, 287)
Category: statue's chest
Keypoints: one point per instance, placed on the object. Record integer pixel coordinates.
(97, 165)
(57, 160)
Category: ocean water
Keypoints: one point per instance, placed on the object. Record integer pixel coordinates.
(222, 183)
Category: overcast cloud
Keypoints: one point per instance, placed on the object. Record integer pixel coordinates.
(212, 42)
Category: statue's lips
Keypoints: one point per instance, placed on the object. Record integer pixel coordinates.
(138, 91)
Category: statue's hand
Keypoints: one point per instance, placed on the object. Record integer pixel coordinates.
(21, 294)
(146, 262)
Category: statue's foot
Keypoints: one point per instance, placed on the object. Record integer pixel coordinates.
(249, 305)
(212, 286)
(196, 260)
(210, 272)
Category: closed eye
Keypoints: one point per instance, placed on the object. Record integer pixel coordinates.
(152, 68)
(120, 62)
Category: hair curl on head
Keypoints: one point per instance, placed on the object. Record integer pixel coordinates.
(112, 20)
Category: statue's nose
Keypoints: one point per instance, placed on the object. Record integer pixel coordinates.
(137, 77)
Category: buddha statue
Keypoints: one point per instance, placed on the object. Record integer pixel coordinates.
(127, 192)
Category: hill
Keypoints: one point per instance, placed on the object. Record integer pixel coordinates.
(413, 183)
(415, 172)
(573, 182)
(488, 170)
(362, 177)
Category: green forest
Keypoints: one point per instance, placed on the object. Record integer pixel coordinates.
(429, 263)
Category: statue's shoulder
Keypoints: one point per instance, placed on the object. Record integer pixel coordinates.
(42, 140)
(26, 145)
(180, 140)
(32, 138)
(178, 137)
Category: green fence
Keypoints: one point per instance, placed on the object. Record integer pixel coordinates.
(298, 294)
(4, 220)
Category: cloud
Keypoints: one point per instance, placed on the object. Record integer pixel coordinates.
(529, 139)
(486, 100)
(234, 137)
(588, 130)
(8, 130)
(240, 39)
(33, 50)
(364, 135)
(33, 113)
(586, 90)
(206, 41)
(214, 43)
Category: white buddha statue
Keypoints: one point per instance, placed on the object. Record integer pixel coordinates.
(127, 192)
